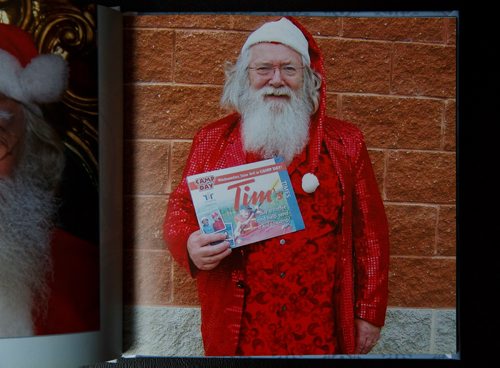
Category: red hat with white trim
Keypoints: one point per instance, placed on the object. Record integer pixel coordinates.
(25, 75)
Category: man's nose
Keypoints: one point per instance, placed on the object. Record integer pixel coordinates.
(276, 80)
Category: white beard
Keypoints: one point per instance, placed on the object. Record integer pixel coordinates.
(275, 127)
(25, 226)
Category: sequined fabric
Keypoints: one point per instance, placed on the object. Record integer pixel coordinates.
(290, 281)
(361, 257)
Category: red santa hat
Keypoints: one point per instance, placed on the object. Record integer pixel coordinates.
(281, 31)
(25, 75)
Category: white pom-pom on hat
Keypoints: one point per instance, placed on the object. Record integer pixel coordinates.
(25, 75)
(44, 78)
(282, 31)
(310, 183)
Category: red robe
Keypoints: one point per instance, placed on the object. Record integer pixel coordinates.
(74, 287)
(362, 250)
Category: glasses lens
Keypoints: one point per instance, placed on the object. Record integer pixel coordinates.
(264, 70)
(289, 70)
(268, 70)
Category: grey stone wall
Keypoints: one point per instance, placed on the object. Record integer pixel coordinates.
(418, 331)
(167, 331)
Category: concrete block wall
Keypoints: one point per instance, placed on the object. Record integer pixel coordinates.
(395, 78)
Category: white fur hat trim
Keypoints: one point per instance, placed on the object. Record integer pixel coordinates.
(282, 31)
(43, 80)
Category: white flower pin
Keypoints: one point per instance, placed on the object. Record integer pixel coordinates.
(310, 183)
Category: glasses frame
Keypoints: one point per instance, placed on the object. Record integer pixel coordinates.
(271, 70)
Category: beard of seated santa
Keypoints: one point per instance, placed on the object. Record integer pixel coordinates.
(26, 211)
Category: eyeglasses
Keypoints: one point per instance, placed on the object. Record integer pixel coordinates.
(266, 70)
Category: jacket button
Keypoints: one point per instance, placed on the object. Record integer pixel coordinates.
(282, 241)
(282, 275)
(240, 284)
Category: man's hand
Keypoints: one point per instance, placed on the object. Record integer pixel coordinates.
(367, 336)
(205, 256)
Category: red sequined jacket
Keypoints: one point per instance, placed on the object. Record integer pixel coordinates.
(363, 254)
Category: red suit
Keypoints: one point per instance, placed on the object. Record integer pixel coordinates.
(336, 269)
(74, 287)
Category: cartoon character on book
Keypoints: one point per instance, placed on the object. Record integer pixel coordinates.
(49, 278)
(246, 222)
(321, 290)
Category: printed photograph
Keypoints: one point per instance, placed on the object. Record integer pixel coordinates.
(362, 108)
(49, 177)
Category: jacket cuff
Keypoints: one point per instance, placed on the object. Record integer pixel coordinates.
(370, 313)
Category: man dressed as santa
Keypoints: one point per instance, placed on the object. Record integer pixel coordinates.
(48, 278)
(319, 291)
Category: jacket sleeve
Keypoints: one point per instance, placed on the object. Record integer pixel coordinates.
(371, 242)
(180, 220)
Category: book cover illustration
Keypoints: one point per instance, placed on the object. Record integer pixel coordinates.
(250, 202)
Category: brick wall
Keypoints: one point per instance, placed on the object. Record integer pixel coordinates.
(392, 77)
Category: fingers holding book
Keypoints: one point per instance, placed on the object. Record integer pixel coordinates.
(204, 255)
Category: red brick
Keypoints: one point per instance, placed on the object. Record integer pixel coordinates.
(175, 112)
(452, 31)
(390, 122)
(422, 282)
(185, 291)
(412, 229)
(447, 230)
(424, 177)
(207, 21)
(146, 167)
(378, 163)
(143, 222)
(250, 23)
(322, 26)
(332, 105)
(356, 66)
(180, 153)
(148, 55)
(200, 56)
(317, 25)
(395, 29)
(198, 21)
(424, 70)
(450, 122)
(148, 277)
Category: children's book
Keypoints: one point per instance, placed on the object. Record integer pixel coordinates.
(249, 203)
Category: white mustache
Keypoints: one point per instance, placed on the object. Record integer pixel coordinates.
(271, 91)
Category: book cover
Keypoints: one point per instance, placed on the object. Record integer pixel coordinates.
(250, 202)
